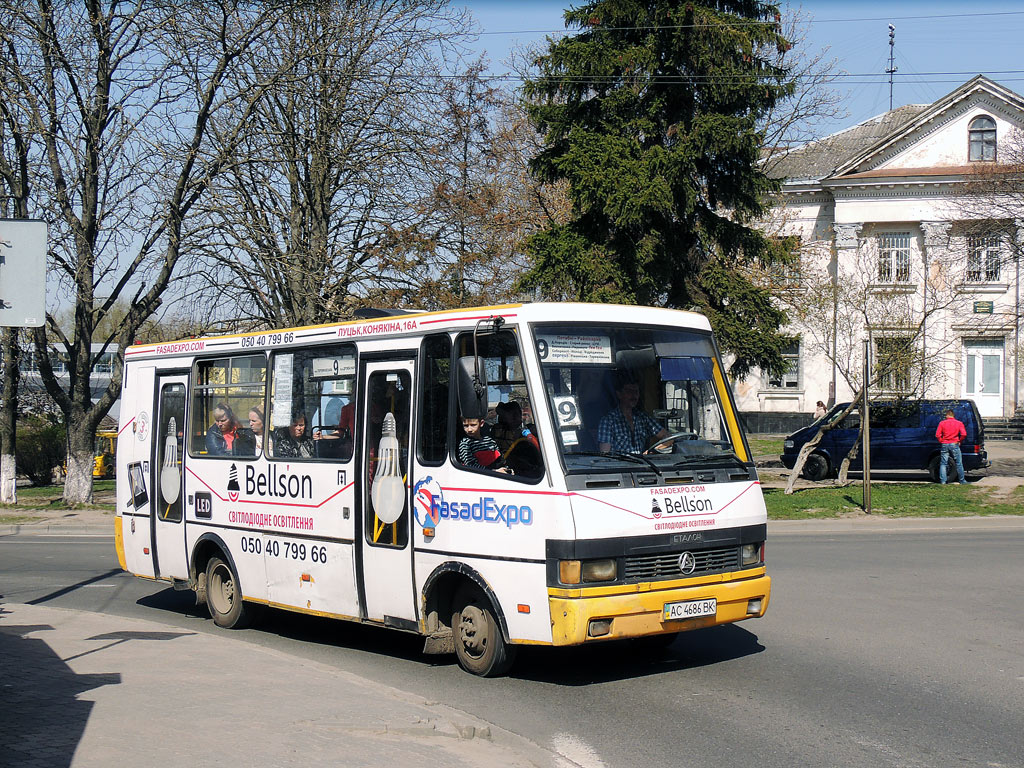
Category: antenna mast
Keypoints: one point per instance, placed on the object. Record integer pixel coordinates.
(892, 67)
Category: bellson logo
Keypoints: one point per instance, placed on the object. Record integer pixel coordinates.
(655, 509)
(233, 488)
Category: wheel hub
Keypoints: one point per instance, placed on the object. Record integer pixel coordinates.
(471, 630)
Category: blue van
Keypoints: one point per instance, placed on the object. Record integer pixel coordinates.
(902, 437)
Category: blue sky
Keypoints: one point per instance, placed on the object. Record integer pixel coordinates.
(939, 44)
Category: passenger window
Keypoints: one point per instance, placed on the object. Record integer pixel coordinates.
(435, 377)
(907, 416)
(883, 417)
(507, 440)
(312, 404)
(852, 421)
(224, 390)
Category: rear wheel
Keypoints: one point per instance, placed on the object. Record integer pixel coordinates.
(933, 468)
(224, 596)
(479, 644)
(815, 467)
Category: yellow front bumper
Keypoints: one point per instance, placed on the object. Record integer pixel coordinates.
(638, 611)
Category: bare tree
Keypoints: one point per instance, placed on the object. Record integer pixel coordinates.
(15, 193)
(124, 98)
(337, 157)
(872, 289)
(797, 118)
(468, 247)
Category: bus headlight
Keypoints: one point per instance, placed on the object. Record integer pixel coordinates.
(599, 570)
(750, 554)
(787, 444)
(569, 571)
(576, 571)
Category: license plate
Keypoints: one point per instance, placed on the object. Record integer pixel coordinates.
(689, 609)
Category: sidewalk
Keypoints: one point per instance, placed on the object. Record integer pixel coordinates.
(85, 689)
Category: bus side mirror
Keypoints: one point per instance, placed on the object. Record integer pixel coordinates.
(472, 389)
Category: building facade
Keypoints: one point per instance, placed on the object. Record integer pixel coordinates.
(910, 234)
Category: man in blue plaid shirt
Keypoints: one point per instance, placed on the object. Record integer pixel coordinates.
(626, 429)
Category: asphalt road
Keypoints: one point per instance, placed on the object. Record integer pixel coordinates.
(896, 647)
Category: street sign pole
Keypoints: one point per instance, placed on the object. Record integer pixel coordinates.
(865, 428)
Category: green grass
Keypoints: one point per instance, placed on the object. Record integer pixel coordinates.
(51, 497)
(765, 446)
(892, 500)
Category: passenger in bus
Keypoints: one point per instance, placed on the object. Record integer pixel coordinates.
(226, 436)
(336, 430)
(256, 425)
(627, 429)
(517, 441)
(294, 440)
(479, 450)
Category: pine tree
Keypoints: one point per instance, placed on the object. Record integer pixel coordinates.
(651, 113)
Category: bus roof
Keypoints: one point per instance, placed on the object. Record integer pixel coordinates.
(423, 322)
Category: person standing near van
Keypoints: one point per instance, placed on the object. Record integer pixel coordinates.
(949, 433)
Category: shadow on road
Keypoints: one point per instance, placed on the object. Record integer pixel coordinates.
(43, 718)
(619, 660)
(583, 665)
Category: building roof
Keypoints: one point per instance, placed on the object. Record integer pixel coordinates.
(819, 159)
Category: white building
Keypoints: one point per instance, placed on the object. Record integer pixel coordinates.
(888, 215)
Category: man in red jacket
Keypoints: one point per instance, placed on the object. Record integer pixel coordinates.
(949, 433)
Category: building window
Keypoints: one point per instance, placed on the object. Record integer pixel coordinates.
(790, 379)
(983, 257)
(894, 359)
(894, 257)
(982, 139)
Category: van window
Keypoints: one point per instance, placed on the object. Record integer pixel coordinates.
(852, 420)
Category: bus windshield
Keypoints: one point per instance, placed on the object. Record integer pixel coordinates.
(634, 398)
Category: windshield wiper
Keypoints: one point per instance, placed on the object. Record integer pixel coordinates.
(636, 458)
(708, 458)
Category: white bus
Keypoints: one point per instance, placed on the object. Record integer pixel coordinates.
(608, 492)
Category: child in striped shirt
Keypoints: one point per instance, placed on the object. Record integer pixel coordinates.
(477, 449)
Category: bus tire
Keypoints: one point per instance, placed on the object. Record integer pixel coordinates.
(224, 596)
(479, 644)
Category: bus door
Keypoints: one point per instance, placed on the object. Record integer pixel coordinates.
(385, 552)
(166, 507)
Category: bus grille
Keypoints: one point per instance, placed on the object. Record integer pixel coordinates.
(666, 564)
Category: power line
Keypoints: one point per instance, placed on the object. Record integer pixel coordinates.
(652, 27)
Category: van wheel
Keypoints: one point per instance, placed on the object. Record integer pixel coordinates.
(224, 596)
(933, 468)
(816, 467)
(479, 645)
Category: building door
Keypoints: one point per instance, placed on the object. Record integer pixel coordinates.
(983, 375)
(385, 550)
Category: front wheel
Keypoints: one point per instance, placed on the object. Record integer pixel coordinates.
(479, 645)
(224, 596)
(815, 467)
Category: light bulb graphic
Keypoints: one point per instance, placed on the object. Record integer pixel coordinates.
(170, 479)
(388, 492)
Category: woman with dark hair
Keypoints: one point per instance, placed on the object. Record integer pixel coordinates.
(294, 440)
(226, 437)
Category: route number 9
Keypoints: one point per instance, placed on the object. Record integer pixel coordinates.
(542, 349)
(567, 411)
